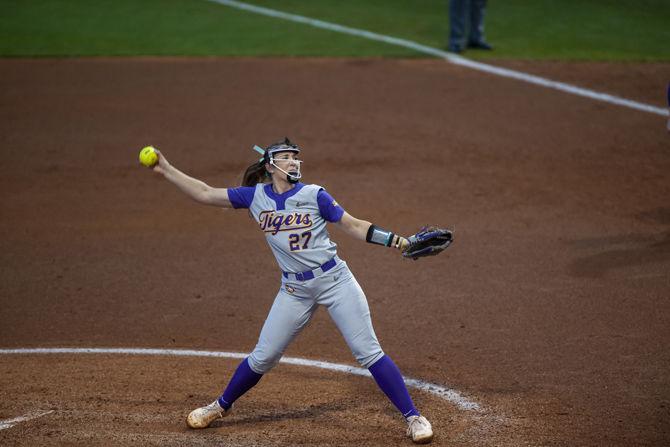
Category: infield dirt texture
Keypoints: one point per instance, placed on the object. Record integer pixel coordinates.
(550, 310)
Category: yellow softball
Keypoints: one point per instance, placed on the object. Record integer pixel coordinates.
(148, 156)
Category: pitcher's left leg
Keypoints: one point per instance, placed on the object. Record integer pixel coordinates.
(348, 307)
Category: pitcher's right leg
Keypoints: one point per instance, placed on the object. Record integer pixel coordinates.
(288, 316)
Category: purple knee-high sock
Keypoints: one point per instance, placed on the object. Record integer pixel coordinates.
(242, 381)
(388, 377)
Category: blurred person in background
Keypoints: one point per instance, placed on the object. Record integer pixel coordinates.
(467, 15)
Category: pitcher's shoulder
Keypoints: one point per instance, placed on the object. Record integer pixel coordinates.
(311, 189)
(306, 197)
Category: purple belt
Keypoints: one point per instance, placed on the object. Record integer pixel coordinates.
(310, 274)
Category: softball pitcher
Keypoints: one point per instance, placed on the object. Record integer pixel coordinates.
(293, 217)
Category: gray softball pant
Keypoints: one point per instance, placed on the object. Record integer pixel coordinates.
(294, 306)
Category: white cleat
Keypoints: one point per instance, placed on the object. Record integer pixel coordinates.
(419, 429)
(203, 416)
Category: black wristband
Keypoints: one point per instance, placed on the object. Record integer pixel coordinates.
(379, 236)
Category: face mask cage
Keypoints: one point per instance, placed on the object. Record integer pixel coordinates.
(285, 146)
(293, 175)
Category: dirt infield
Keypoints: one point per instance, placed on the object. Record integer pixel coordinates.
(550, 310)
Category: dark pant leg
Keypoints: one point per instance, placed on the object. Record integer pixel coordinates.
(477, 12)
(457, 22)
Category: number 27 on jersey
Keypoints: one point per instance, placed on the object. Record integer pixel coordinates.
(299, 241)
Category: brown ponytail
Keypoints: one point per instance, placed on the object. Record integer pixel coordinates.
(254, 174)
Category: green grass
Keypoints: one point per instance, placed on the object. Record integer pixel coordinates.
(582, 29)
(530, 29)
(162, 27)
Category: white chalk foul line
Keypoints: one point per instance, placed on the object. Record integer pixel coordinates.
(450, 57)
(445, 393)
(9, 423)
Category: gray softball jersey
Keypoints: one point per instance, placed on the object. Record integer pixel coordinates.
(294, 223)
